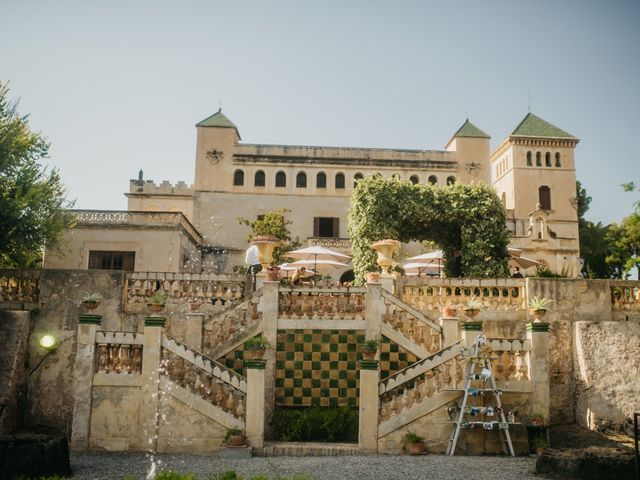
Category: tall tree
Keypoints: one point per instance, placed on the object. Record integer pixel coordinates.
(273, 224)
(32, 199)
(625, 239)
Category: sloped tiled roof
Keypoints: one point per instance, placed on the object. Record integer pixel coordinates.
(468, 129)
(534, 126)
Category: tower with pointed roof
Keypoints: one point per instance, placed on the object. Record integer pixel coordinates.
(533, 171)
(472, 153)
(216, 138)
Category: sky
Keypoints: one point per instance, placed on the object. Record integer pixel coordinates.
(118, 86)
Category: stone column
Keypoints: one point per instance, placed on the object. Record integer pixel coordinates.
(374, 308)
(255, 416)
(269, 307)
(450, 331)
(151, 356)
(193, 335)
(538, 335)
(369, 407)
(387, 281)
(470, 330)
(83, 379)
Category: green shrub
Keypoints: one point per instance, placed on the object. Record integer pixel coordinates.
(171, 475)
(320, 424)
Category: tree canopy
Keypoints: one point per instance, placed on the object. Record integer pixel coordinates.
(466, 221)
(273, 224)
(32, 198)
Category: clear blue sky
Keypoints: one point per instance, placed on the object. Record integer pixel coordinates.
(117, 86)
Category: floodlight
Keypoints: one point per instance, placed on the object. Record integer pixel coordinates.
(48, 342)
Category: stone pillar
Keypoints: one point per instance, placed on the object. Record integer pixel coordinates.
(193, 335)
(450, 331)
(255, 417)
(269, 307)
(83, 379)
(470, 330)
(387, 281)
(374, 308)
(151, 353)
(369, 407)
(538, 335)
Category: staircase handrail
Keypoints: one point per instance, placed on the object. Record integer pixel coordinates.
(409, 373)
(202, 361)
(411, 311)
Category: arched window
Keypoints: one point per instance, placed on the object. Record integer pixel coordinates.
(356, 177)
(414, 179)
(339, 180)
(558, 164)
(544, 197)
(281, 179)
(301, 180)
(259, 179)
(396, 176)
(238, 178)
(538, 159)
(547, 159)
(451, 180)
(433, 180)
(321, 180)
(529, 162)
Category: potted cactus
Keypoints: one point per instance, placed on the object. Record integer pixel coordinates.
(369, 349)
(256, 347)
(413, 443)
(473, 307)
(91, 301)
(538, 307)
(156, 302)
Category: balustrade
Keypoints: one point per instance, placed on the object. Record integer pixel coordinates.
(322, 303)
(182, 288)
(203, 383)
(625, 295)
(20, 286)
(432, 294)
(232, 322)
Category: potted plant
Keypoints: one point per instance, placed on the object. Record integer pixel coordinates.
(194, 305)
(273, 273)
(413, 443)
(537, 419)
(369, 349)
(156, 302)
(397, 271)
(373, 277)
(91, 301)
(539, 444)
(473, 307)
(256, 347)
(449, 311)
(235, 438)
(386, 248)
(538, 307)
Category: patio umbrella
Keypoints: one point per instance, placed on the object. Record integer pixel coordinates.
(517, 260)
(285, 268)
(318, 264)
(317, 253)
(416, 268)
(431, 258)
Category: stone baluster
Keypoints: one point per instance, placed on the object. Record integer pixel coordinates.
(83, 380)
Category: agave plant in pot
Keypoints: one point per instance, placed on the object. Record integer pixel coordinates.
(91, 301)
(369, 349)
(235, 438)
(538, 307)
(413, 443)
(256, 347)
(157, 300)
(473, 307)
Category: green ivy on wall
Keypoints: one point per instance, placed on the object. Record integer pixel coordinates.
(466, 221)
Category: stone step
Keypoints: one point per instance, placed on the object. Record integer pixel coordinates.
(307, 449)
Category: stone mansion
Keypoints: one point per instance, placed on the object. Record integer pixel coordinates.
(194, 228)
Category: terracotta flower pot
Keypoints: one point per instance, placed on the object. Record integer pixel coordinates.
(368, 354)
(273, 275)
(257, 354)
(449, 312)
(373, 277)
(537, 314)
(194, 306)
(237, 441)
(156, 307)
(471, 312)
(91, 305)
(415, 448)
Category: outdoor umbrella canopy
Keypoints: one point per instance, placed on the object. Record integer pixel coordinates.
(416, 268)
(318, 264)
(517, 260)
(317, 253)
(285, 268)
(427, 257)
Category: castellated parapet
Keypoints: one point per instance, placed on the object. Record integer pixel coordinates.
(164, 188)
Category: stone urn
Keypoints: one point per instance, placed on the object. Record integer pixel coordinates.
(385, 250)
(266, 245)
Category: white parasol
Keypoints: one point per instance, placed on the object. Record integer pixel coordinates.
(416, 268)
(317, 253)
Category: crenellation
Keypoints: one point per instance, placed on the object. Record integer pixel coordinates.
(149, 187)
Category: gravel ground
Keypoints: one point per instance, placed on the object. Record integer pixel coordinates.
(115, 466)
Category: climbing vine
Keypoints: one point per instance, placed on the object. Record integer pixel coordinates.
(466, 221)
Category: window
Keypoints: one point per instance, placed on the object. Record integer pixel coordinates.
(547, 159)
(451, 180)
(544, 197)
(356, 177)
(340, 180)
(301, 180)
(281, 179)
(414, 179)
(529, 162)
(433, 180)
(326, 227)
(558, 164)
(112, 260)
(238, 178)
(321, 180)
(259, 179)
(538, 159)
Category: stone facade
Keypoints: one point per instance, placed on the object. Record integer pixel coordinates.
(234, 179)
